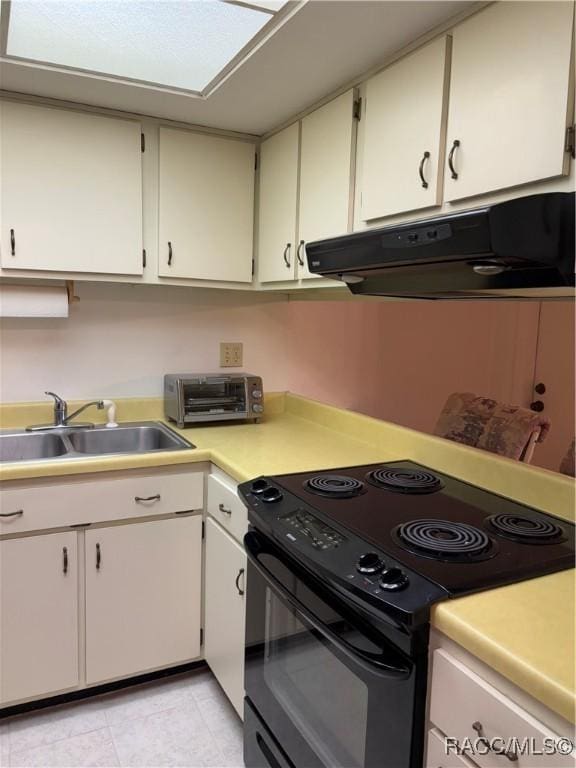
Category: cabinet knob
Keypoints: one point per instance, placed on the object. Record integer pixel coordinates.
(537, 406)
(98, 557)
(139, 499)
(169, 254)
(540, 388)
(286, 255)
(12, 243)
(224, 509)
(65, 560)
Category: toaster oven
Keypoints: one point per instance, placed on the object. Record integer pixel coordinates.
(199, 397)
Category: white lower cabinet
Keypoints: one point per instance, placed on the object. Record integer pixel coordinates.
(38, 615)
(118, 596)
(474, 722)
(143, 596)
(225, 611)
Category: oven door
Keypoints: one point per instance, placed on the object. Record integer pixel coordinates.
(331, 690)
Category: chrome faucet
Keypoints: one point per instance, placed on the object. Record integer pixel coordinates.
(61, 417)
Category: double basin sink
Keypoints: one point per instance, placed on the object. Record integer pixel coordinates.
(71, 442)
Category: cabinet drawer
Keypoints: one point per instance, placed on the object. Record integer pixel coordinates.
(460, 699)
(74, 501)
(225, 506)
(437, 755)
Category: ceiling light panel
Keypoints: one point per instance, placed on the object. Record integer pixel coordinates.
(181, 44)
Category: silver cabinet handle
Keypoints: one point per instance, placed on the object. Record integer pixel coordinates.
(286, 255)
(238, 577)
(18, 513)
(224, 509)
(156, 497)
(98, 557)
(65, 560)
(301, 245)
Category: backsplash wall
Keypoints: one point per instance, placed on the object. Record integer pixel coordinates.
(119, 341)
(392, 360)
(399, 361)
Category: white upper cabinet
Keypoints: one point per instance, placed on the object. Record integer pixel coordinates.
(509, 97)
(326, 156)
(277, 206)
(71, 191)
(206, 207)
(402, 158)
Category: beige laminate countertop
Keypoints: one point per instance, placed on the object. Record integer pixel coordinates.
(524, 631)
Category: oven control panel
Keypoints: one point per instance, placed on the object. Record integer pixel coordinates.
(320, 535)
(342, 558)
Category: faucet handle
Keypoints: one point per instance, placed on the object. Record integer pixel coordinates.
(57, 398)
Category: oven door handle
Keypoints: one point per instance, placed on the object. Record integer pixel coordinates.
(370, 662)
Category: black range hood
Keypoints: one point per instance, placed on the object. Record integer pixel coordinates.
(522, 248)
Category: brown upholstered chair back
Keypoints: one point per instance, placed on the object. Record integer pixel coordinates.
(481, 422)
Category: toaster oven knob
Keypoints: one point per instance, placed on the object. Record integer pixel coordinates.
(370, 563)
(257, 394)
(393, 579)
(257, 408)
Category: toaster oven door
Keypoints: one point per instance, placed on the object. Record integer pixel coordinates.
(214, 398)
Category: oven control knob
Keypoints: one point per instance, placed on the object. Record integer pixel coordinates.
(258, 486)
(271, 494)
(257, 394)
(393, 579)
(257, 408)
(370, 563)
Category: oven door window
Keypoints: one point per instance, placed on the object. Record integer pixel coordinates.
(323, 697)
(218, 397)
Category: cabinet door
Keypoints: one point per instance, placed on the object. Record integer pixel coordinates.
(325, 174)
(71, 191)
(142, 596)
(225, 611)
(277, 206)
(509, 97)
(402, 157)
(206, 207)
(38, 615)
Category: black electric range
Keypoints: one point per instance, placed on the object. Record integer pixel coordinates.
(343, 566)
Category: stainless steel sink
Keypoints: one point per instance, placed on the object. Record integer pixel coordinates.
(70, 443)
(126, 439)
(30, 447)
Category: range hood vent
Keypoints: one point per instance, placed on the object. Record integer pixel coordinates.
(519, 249)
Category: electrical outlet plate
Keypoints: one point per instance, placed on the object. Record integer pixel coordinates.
(231, 353)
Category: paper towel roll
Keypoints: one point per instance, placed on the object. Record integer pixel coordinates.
(33, 301)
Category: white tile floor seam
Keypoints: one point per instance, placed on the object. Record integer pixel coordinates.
(184, 721)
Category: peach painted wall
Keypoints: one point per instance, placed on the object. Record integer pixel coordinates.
(400, 361)
(555, 366)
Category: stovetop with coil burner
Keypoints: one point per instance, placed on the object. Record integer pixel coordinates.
(408, 521)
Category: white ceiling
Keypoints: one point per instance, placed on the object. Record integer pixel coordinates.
(326, 44)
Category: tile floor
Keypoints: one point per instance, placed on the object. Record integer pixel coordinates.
(181, 722)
